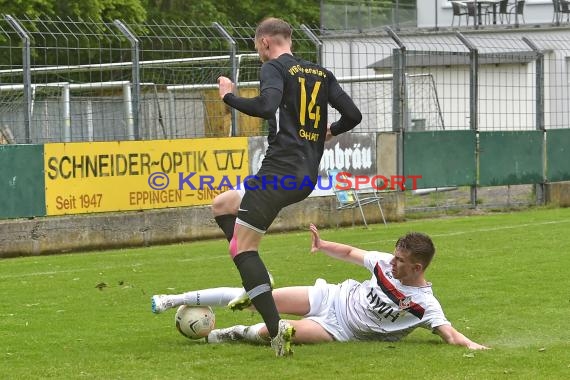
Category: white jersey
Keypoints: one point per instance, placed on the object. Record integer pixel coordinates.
(382, 308)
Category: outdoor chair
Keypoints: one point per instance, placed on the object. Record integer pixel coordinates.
(472, 11)
(350, 198)
(556, 14)
(564, 10)
(504, 10)
(517, 10)
(459, 9)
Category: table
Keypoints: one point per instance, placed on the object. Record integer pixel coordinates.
(487, 3)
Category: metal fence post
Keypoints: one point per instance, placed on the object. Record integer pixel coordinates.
(473, 100)
(436, 7)
(26, 74)
(134, 131)
(516, 14)
(66, 113)
(318, 44)
(476, 15)
(539, 107)
(233, 51)
(128, 109)
(399, 101)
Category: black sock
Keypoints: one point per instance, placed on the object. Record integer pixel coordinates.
(255, 278)
(226, 223)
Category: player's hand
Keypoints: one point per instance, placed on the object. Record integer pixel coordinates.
(329, 133)
(225, 86)
(477, 346)
(315, 238)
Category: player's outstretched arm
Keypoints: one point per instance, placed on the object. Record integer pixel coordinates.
(265, 105)
(337, 250)
(452, 336)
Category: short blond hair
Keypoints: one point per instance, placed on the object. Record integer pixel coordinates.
(273, 27)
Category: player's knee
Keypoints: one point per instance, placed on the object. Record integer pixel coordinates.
(226, 203)
(217, 205)
(216, 208)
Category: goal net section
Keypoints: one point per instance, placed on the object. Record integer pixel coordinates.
(374, 96)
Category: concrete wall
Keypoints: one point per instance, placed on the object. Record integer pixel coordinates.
(58, 234)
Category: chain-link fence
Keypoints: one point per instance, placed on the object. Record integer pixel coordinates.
(495, 80)
(69, 80)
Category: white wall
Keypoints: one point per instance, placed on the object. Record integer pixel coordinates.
(506, 99)
(557, 93)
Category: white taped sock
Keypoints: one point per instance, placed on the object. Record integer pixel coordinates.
(251, 334)
(208, 297)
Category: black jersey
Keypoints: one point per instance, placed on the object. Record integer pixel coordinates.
(298, 122)
(298, 129)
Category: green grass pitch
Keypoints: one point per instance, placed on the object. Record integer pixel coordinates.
(502, 279)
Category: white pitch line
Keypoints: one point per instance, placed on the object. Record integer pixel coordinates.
(478, 230)
(50, 273)
(98, 269)
(205, 258)
(455, 233)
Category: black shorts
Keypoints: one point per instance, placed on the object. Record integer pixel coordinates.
(265, 196)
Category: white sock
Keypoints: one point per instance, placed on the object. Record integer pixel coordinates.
(207, 297)
(251, 334)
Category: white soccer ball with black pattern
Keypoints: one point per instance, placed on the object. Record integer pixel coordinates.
(194, 322)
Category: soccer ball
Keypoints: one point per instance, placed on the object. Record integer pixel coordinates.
(194, 322)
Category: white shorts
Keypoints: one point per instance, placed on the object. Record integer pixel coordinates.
(322, 298)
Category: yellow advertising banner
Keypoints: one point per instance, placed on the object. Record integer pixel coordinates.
(137, 175)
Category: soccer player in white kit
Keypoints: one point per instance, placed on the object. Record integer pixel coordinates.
(392, 303)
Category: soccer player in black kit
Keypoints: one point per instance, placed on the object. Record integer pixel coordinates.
(294, 96)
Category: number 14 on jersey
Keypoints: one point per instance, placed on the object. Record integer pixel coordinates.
(313, 112)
